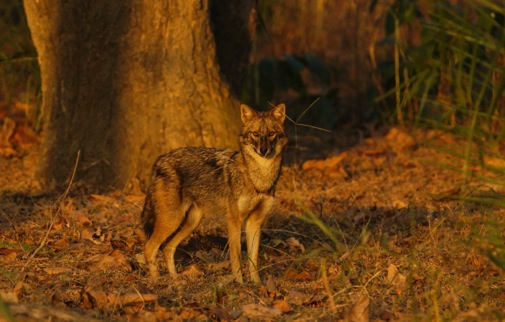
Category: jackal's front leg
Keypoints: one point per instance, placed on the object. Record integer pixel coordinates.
(253, 235)
(234, 232)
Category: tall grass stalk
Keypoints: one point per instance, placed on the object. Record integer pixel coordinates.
(455, 80)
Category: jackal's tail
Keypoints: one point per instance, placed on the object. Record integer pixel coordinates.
(148, 217)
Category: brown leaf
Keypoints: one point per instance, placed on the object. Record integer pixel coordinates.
(193, 273)
(271, 287)
(399, 204)
(8, 296)
(297, 297)
(98, 299)
(292, 274)
(221, 313)
(395, 278)
(7, 251)
(294, 244)
(282, 305)
(111, 262)
(87, 234)
(372, 152)
(79, 217)
(18, 289)
(359, 312)
(102, 198)
(260, 312)
(312, 265)
(387, 316)
(399, 139)
(191, 315)
(224, 265)
(132, 298)
(58, 226)
(61, 244)
(324, 164)
(11, 257)
(57, 270)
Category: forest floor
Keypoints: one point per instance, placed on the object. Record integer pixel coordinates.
(363, 229)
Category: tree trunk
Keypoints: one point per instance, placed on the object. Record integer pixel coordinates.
(124, 81)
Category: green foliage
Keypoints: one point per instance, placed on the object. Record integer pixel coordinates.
(453, 79)
(5, 312)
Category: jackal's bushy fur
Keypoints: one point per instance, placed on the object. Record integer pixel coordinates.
(188, 183)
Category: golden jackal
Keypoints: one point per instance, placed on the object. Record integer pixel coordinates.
(189, 182)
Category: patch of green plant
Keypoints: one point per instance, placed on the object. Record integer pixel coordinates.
(453, 79)
(9, 245)
(5, 312)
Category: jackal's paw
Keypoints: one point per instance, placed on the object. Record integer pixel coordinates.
(239, 279)
(153, 272)
(256, 279)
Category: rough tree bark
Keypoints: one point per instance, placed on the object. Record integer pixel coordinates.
(124, 81)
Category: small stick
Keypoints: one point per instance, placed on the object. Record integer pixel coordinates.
(53, 219)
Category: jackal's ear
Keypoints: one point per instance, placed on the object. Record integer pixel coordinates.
(246, 113)
(279, 112)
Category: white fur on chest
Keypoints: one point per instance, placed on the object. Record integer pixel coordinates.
(246, 204)
(263, 172)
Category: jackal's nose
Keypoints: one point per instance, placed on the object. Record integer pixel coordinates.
(264, 151)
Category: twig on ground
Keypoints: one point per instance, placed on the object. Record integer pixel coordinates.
(53, 218)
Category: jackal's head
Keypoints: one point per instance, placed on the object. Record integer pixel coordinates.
(263, 131)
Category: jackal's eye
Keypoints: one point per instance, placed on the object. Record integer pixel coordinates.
(255, 133)
(271, 133)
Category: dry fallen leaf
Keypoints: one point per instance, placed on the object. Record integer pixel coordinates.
(395, 278)
(221, 313)
(398, 204)
(260, 312)
(79, 217)
(98, 299)
(330, 166)
(224, 265)
(359, 312)
(57, 270)
(294, 244)
(87, 234)
(399, 139)
(193, 273)
(271, 287)
(18, 289)
(296, 297)
(114, 261)
(61, 244)
(282, 305)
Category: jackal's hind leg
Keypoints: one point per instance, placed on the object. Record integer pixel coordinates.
(192, 220)
(169, 214)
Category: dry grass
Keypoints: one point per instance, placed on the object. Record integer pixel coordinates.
(360, 235)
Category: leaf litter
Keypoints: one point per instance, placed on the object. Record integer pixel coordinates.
(389, 249)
